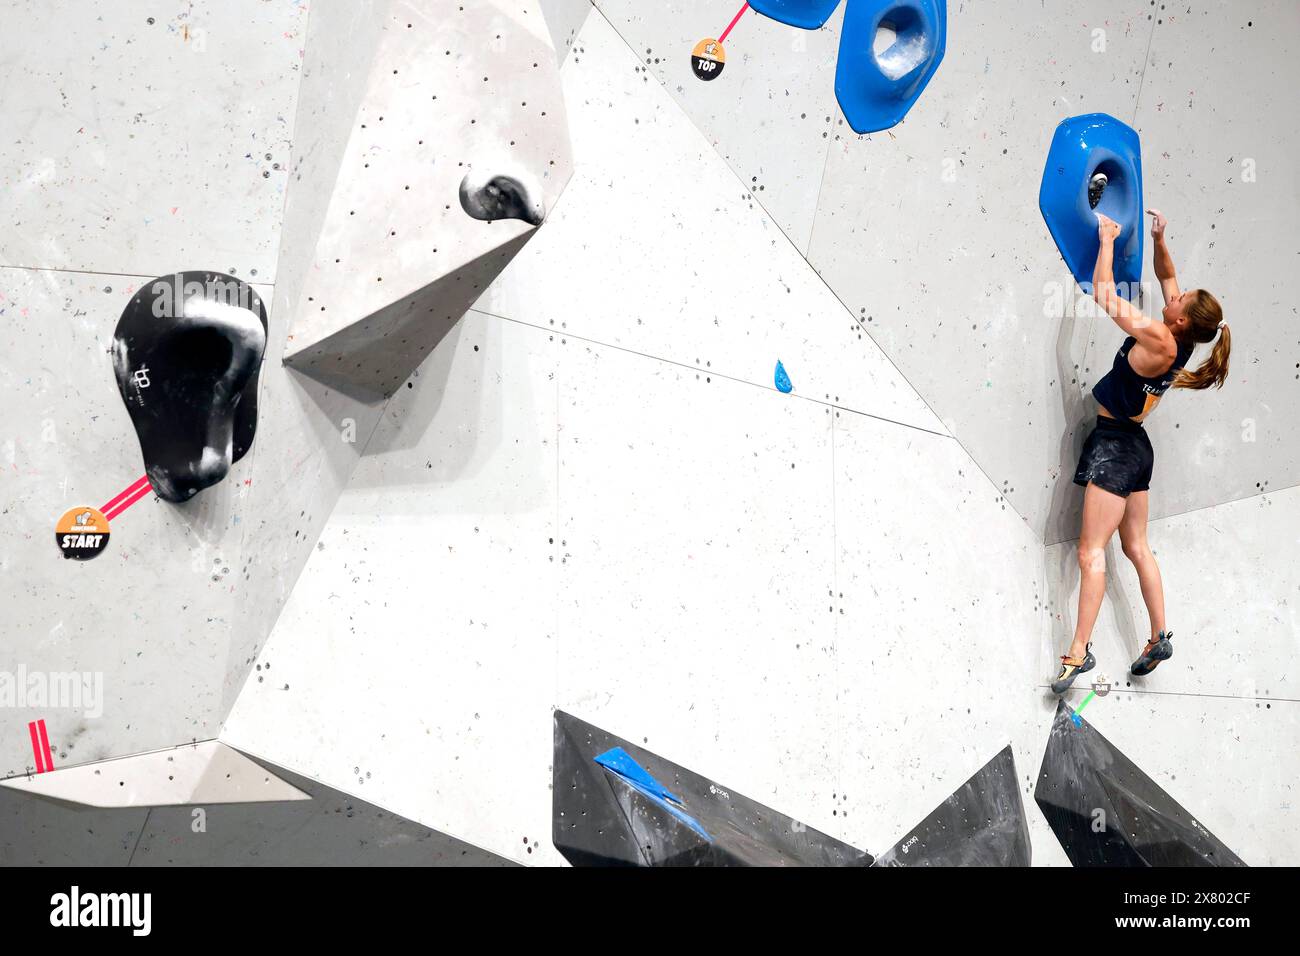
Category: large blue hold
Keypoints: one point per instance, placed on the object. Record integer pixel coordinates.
(1082, 147)
(807, 14)
(875, 91)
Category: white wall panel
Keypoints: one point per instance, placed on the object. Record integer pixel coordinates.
(932, 629)
(414, 662)
(1232, 599)
(654, 247)
(697, 559)
(772, 111)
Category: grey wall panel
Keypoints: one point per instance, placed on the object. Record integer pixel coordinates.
(173, 645)
(333, 828)
(146, 624)
(141, 140)
(1221, 166)
(35, 832)
(931, 235)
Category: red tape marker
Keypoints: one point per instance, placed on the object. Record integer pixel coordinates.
(41, 746)
(734, 21)
(125, 499)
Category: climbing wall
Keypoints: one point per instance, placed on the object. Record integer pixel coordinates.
(147, 645)
(593, 497)
(139, 142)
(1215, 724)
(1220, 165)
(754, 458)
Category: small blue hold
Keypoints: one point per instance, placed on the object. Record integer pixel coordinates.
(782, 379)
(1078, 721)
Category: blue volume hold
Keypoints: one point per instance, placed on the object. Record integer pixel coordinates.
(621, 763)
(876, 90)
(807, 14)
(1095, 161)
(782, 379)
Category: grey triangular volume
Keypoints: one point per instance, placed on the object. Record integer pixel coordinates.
(657, 813)
(982, 824)
(330, 829)
(1107, 812)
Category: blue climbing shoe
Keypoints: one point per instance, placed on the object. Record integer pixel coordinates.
(1072, 667)
(1158, 649)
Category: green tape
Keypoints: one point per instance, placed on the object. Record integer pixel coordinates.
(1075, 715)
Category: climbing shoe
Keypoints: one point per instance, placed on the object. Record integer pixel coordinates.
(1159, 648)
(1072, 667)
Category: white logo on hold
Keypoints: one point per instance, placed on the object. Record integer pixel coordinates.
(141, 377)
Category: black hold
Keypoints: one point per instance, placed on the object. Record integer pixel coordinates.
(982, 824)
(1106, 812)
(603, 818)
(186, 354)
(500, 195)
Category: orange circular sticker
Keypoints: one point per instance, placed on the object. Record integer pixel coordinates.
(82, 533)
(708, 59)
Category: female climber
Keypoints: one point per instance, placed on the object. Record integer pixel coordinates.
(1115, 467)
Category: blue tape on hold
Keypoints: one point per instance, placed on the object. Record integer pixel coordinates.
(875, 90)
(806, 14)
(619, 762)
(782, 379)
(1083, 147)
(1078, 721)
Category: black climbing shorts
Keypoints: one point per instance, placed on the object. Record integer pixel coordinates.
(1117, 457)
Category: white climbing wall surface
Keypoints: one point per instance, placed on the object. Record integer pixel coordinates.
(841, 595)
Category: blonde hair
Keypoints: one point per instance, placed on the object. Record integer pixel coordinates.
(1204, 322)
